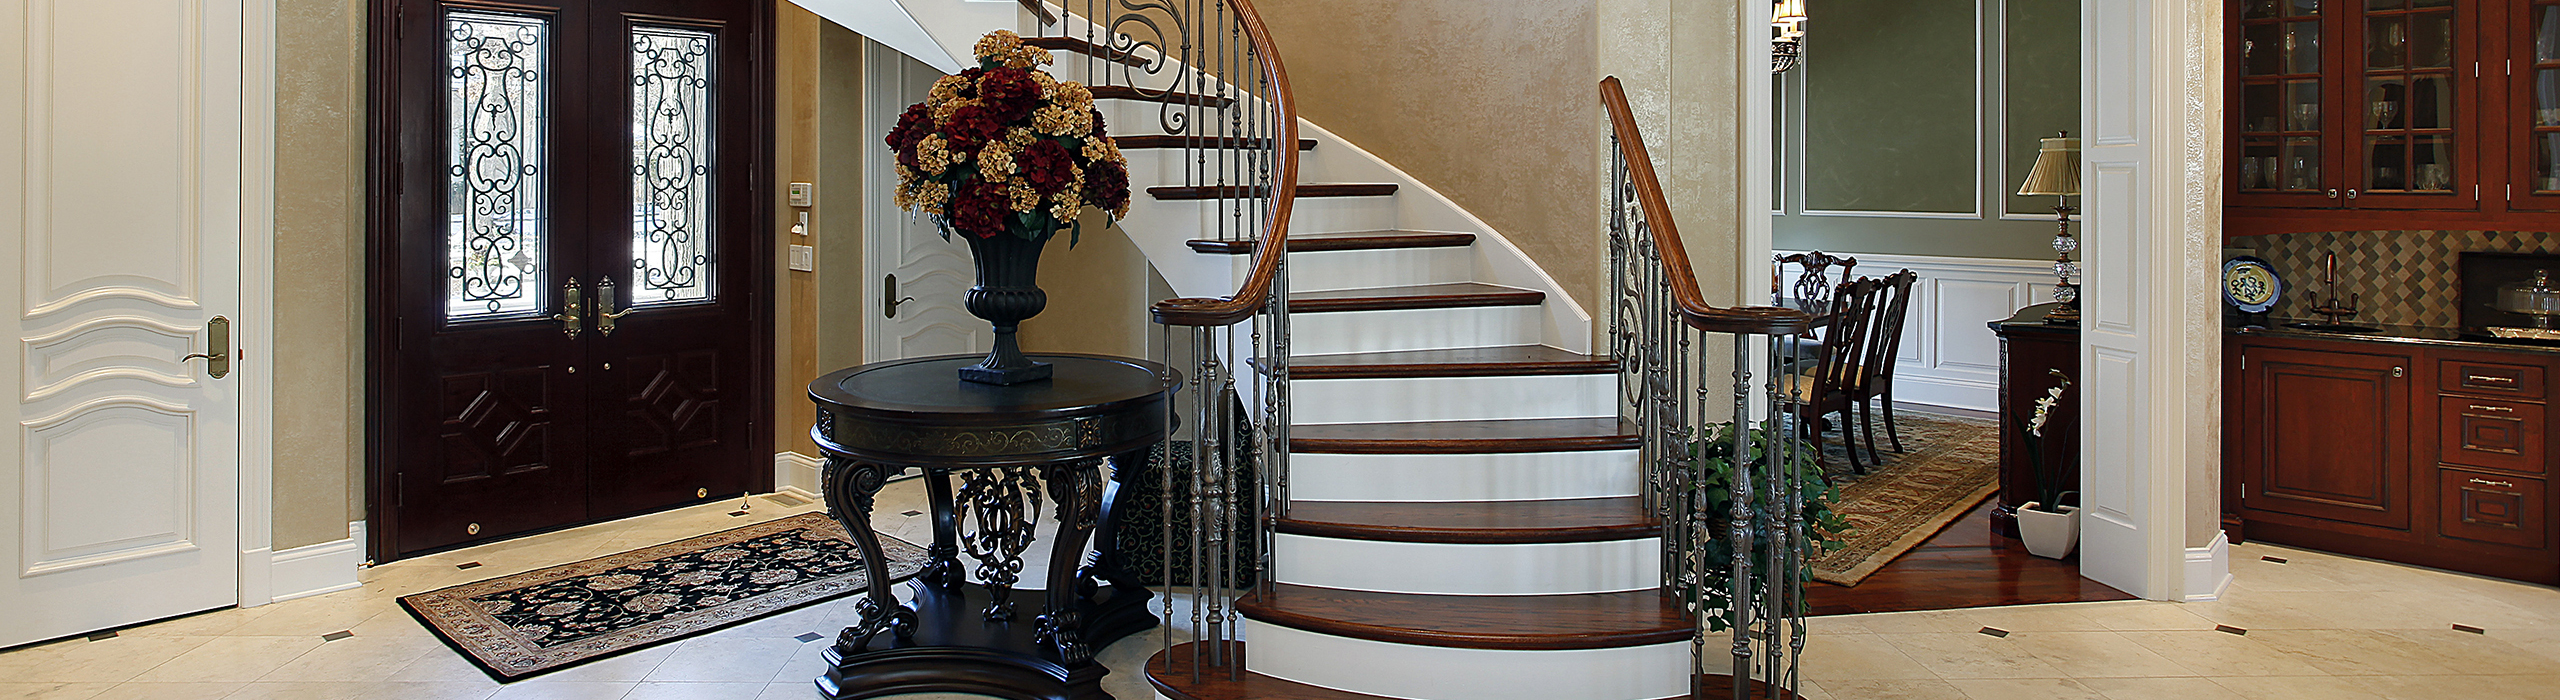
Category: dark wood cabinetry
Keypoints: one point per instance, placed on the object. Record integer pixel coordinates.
(2430, 455)
(2392, 114)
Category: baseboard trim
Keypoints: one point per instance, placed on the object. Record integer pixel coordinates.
(2209, 570)
(796, 473)
(310, 570)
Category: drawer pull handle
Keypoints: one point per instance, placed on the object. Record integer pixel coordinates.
(2492, 409)
(2494, 484)
(2477, 379)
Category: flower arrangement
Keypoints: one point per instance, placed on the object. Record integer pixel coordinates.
(2049, 486)
(1006, 148)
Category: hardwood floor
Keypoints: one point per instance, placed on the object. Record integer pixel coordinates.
(1964, 566)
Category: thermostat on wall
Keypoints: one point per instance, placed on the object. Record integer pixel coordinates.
(800, 193)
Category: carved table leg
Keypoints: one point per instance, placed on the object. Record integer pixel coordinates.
(848, 487)
(1077, 487)
(942, 560)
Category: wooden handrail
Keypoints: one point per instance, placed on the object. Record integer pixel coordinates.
(1692, 305)
(1040, 9)
(1255, 292)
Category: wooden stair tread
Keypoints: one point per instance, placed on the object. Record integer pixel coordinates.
(1494, 361)
(1184, 192)
(1075, 45)
(1525, 622)
(1172, 674)
(1124, 92)
(1426, 296)
(1474, 522)
(1467, 436)
(1147, 141)
(1355, 240)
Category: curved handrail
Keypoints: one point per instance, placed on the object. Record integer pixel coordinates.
(1255, 291)
(1692, 305)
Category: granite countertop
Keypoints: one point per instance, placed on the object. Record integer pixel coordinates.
(2389, 333)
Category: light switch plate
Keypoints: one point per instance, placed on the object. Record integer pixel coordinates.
(800, 193)
(804, 258)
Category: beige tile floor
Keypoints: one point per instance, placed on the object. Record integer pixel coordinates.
(2319, 626)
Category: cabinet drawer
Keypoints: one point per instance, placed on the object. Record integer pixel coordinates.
(2489, 433)
(2493, 508)
(2489, 379)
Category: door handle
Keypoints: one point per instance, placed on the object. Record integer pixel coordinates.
(217, 353)
(605, 315)
(889, 299)
(572, 301)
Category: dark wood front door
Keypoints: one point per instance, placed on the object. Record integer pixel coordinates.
(573, 320)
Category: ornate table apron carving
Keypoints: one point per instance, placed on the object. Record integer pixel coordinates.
(1010, 446)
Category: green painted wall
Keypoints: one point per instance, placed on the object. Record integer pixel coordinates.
(1922, 116)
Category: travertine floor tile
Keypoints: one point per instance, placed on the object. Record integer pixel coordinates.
(2218, 654)
(366, 691)
(358, 658)
(1858, 657)
(2024, 689)
(564, 691)
(1921, 689)
(52, 691)
(720, 659)
(169, 691)
(107, 661)
(1969, 655)
(2300, 688)
(2160, 689)
(2097, 655)
(241, 659)
(697, 691)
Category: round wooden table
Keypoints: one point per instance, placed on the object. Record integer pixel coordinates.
(1008, 445)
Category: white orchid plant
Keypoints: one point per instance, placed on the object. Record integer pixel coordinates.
(2049, 486)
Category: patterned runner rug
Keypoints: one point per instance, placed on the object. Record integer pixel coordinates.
(548, 619)
(1954, 464)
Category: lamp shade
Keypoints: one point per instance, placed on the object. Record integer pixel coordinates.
(1788, 12)
(2057, 169)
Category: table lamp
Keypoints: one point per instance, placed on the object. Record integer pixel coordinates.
(2057, 172)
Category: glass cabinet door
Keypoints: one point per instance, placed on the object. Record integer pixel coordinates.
(2533, 117)
(2411, 126)
(2283, 151)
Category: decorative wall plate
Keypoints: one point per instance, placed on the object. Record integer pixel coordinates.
(2250, 284)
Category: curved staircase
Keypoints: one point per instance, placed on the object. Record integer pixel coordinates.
(1466, 516)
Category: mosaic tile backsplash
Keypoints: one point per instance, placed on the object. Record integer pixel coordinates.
(2406, 277)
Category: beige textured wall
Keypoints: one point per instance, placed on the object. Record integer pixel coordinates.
(795, 159)
(1491, 103)
(1098, 295)
(319, 260)
(842, 136)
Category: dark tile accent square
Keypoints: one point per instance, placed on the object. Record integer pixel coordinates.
(809, 637)
(1995, 631)
(2470, 629)
(737, 513)
(338, 635)
(103, 636)
(2278, 560)
(912, 513)
(2230, 630)
(468, 565)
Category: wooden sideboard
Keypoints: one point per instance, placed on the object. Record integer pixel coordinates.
(2421, 450)
(2030, 351)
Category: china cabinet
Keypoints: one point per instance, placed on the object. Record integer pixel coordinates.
(2390, 114)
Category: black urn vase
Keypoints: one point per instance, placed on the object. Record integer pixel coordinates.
(1007, 292)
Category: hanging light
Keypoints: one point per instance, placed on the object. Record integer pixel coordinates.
(1786, 49)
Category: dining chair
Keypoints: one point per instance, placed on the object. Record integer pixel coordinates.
(1811, 292)
(1831, 385)
(1883, 350)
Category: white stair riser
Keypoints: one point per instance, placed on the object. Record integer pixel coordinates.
(1316, 401)
(1468, 569)
(1366, 269)
(1201, 219)
(1442, 673)
(1523, 476)
(1413, 329)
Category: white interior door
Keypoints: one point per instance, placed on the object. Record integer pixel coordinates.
(931, 274)
(120, 205)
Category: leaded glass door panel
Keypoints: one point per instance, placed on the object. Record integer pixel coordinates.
(2414, 116)
(572, 184)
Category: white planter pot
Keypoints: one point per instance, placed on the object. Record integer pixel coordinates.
(2049, 535)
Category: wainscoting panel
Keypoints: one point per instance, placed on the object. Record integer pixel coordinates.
(1949, 357)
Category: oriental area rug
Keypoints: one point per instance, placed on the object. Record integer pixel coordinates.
(1953, 464)
(553, 618)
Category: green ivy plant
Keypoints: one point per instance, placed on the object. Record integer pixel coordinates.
(1713, 454)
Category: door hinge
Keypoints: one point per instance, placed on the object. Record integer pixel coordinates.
(2244, 361)
(400, 21)
(399, 490)
(2475, 193)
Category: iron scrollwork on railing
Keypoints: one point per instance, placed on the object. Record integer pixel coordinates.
(1726, 481)
(1213, 81)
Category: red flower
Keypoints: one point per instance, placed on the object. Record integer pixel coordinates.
(1098, 130)
(972, 126)
(1047, 166)
(1106, 185)
(912, 127)
(980, 208)
(1010, 92)
(969, 83)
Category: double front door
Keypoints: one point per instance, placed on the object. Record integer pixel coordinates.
(570, 268)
